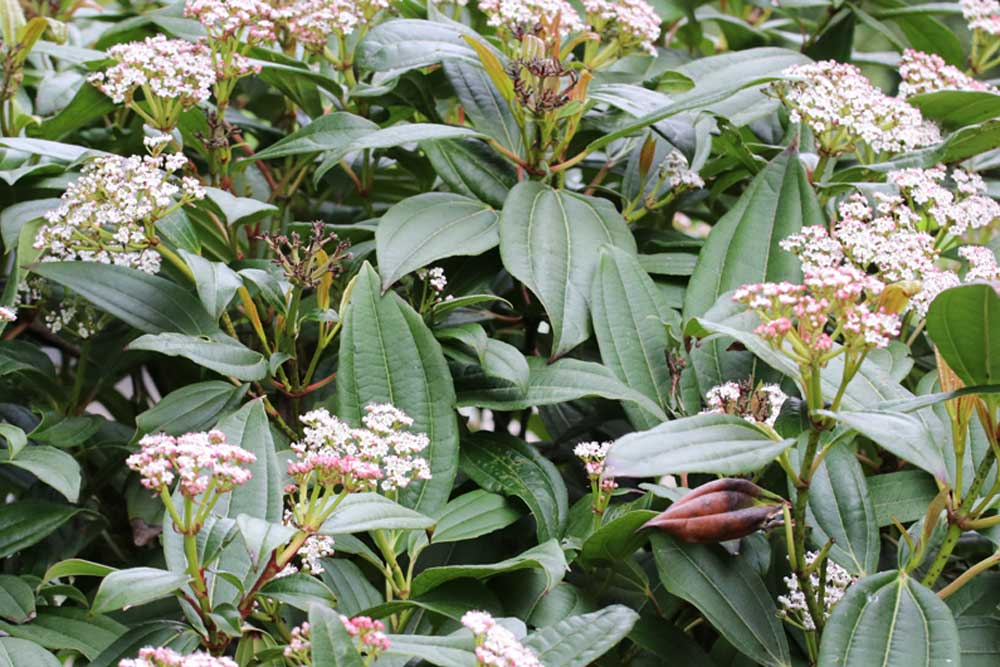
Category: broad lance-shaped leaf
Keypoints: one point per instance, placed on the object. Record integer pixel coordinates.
(962, 322)
(483, 104)
(729, 593)
(629, 315)
(27, 522)
(423, 229)
(548, 557)
(957, 108)
(743, 248)
(17, 599)
(221, 354)
(708, 443)
(496, 358)
(471, 168)
(408, 43)
(387, 355)
(578, 641)
(456, 650)
(891, 620)
(361, 512)
(68, 627)
(331, 645)
(149, 303)
(53, 467)
(547, 241)
(20, 652)
(473, 514)
(325, 133)
(135, 586)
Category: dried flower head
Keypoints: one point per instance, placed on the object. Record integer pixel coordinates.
(759, 405)
(177, 74)
(199, 460)
(634, 23)
(336, 455)
(847, 113)
(167, 657)
(793, 605)
(305, 264)
(496, 646)
(538, 83)
(928, 72)
(108, 214)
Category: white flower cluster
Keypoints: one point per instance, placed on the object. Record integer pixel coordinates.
(312, 22)
(761, 405)
(162, 656)
(107, 215)
(435, 278)
(844, 109)
(793, 605)
(7, 314)
(244, 20)
(927, 73)
(982, 15)
(676, 171)
(982, 264)
(517, 16)
(496, 646)
(315, 548)
(633, 22)
(168, 69)
(967, 208)
(593, 454)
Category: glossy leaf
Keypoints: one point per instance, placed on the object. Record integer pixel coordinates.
(223, 355)
(52, 466)
(962, 323)
(580, 640)
(17, 599)
(361, 512)
(331, 645)
(135, 586)
(29, 521)
(547, 557)
(473, 514)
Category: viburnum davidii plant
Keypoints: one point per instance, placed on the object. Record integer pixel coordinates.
(499, 333)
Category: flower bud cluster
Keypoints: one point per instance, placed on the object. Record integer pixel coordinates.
(248, 21)
(847, 113)
(531, 16)
(198, 460)
(928, 72)
(982, 15)
(369, 635)
(759, 405)
(793, 605)
(496, 646)
(107, 215)
(167, 657)
(312, 22)
(336, 455)
(634, 22)
(168, 69)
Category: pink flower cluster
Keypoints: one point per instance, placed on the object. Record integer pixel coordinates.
(847, 113)
(168, 69)
(167, 657)
(982, 264)
(529, 16)
(247, 21)
(633, 22)
(496, 646)
(104, 215)
(198, 460)
(843, 294)
(936, 206)
(368, 633)
(355, 458)
(760, 405)
(982, 15)
(312, 22)
(593, 455)
(927, 73)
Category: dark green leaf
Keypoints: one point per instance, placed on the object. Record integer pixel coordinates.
(473, 514)
(221, 354)
(580, 640)
(195, 407)
(361, 512)
(299, 590)
(17, 599)
(331, 645)
(69, 628)
(547, 557)
(962, 323)
(29, 521)
(53, 467)
(135, 586)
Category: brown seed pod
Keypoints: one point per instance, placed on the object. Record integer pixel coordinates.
(725, 509)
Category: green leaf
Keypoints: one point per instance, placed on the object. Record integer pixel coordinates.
(69, 628)
(13, 218)
(420, 230)
(841, 509)
(962, 323)
(27, 522)
(496, 358)
(53, 467)
(729, 593)
(471, 168)
(299, 590)
(76, 567)
(222, 354)
(707, 443)
(957, 108)
(473, 514)
(743, 248)
(547, 557)
(262, 496)
(171, 634)
(87, 105)
(508, 465)
(388, 137)
(452, 651)
(408, 43)
(902, 434)
(387, 355)
(547, 241)
(354, 592)
(21, 653)
(483, 104)
(361, 512)
(331, 645)
(903, 496)
(629, 313)
(15, 437)
(578, 641)
(149, 303)
(326, 133)
(618, 539)
(17, 599)
(891, 620)
(239, 210)
(558, 382)
(216, 283)
(451, 600)
(135, 586)
(980, 640)
(195, 407)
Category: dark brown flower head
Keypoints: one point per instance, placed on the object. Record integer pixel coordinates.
(305, 264)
